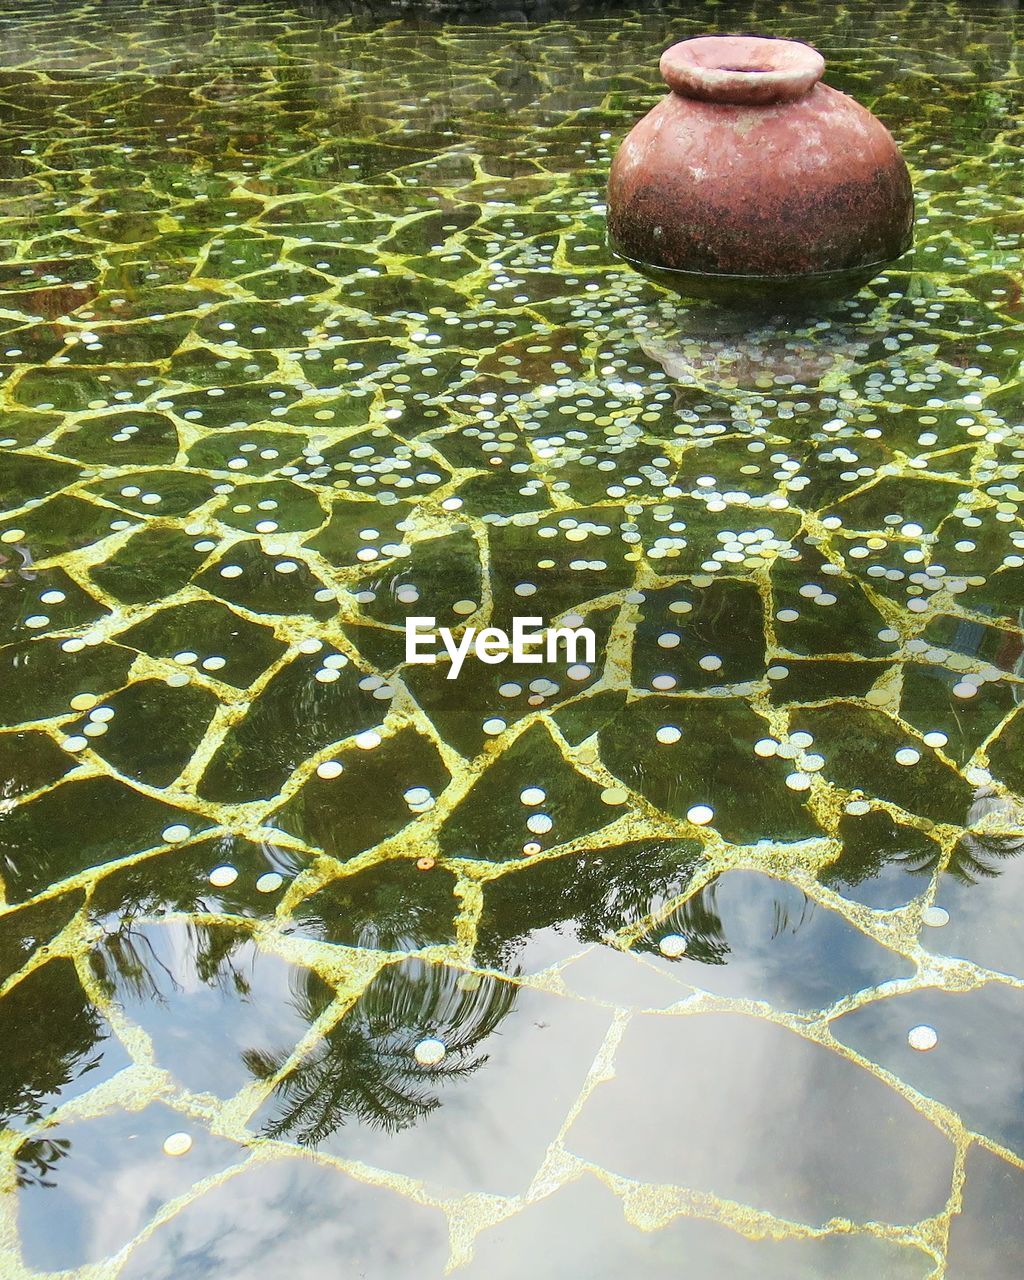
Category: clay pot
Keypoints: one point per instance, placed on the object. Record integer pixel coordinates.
(754, 183)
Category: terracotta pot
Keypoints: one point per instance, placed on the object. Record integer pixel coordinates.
(754, 183)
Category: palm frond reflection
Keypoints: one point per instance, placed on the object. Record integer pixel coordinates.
(365, 1070)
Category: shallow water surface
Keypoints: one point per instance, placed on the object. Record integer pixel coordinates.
(703, 957)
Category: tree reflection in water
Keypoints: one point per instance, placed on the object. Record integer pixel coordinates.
(587, 896)
(980, 853)
(365, 1069)
(127, 960)
(52, 1037)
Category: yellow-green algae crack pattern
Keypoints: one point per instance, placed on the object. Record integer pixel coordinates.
(310, 326)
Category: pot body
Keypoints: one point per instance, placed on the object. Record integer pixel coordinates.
(807, 186)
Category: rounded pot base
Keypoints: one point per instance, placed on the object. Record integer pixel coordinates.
(762, 293)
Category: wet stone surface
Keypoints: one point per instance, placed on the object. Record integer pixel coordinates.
(991, 1214)
(364, 1094)
(119, 1155)
(583, 1222)
(762, 1090)
(751, 937)
(974, 1066)
(700, 955)
(293, 1209)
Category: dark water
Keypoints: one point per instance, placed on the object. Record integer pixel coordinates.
(310, 326)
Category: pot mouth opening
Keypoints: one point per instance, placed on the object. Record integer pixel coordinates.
(741, 70)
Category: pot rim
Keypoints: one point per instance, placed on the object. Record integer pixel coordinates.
(741, 70)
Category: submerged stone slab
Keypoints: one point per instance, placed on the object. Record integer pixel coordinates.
(107, 1177)
(751, 936)
(623, 978)
(289, 1217)
(30, 927)
(224, 874)
(79, 824)
(57, 1044)
(883, 863)
(364, 803)
(393, 905)
(580, 897)
(989, 1229)
(975, 1066)
(275, 380)
(212, 1003)
(982, 889)
(479, 1119)
(711, 761)
(491, 822)
(753, 1112)
(582, 1230)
